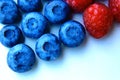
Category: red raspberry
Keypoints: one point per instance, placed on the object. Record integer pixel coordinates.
(115, 8)
(98, 20)
(79, 5)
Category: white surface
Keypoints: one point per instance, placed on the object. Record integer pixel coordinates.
(93, 60)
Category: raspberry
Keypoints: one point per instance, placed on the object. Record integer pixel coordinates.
(115, 8)
(79, 5)
(98, 20)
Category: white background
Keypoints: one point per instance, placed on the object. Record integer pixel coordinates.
(93, 60)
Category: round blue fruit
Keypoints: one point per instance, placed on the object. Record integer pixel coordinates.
(34, 24)
(48, 47)
(48, 0)
(29, 5)
(10, 35)
(21, 58)
(9, 12)
(56, 11)
(72, 33)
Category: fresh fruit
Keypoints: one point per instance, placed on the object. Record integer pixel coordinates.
(72, 33)
(9, 12)
(79, 5)
(21, 58)
(34, 24)
(56, 11)
(10, 35)
(98, 20)
(29, 5)
(115, 8)
(48, 47)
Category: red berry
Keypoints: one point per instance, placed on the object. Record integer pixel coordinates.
(79, 5)
(98, 20)
(115, 8)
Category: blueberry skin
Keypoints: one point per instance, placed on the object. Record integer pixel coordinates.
(29, 5)
(34, 24)
(72, 33)
(10, 35)
(9, 12)
(21, 58)
(49, 0)
(56, 11)
(48, 47)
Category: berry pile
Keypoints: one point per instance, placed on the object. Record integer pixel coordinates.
(97, 17)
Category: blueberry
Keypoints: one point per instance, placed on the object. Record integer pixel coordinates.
(56, 11)
(48, 47)
(10, 35)
(9, 12)
(29, 5)
(33, 25)
(21, 58)
(49, 0)
(72, 33)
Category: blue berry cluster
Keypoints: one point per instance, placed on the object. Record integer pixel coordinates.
(33, 24)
